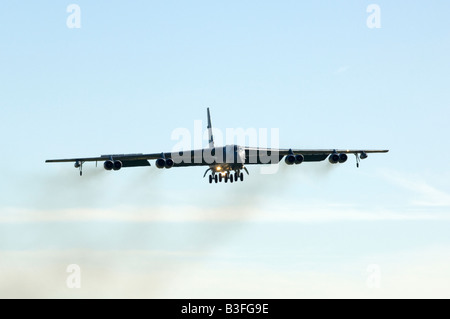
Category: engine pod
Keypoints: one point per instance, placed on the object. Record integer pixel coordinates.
(289, 159)
(334, 158)
(108, 165)
(299, 158)
(117, 165)
(160, 163)
(169, 163)
(343, 158)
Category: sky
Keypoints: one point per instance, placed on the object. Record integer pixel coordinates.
(131, 74)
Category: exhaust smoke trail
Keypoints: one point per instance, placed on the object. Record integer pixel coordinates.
(187, 245)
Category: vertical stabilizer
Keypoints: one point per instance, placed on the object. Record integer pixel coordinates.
(210, 134)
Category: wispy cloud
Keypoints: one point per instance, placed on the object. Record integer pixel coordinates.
(422, 201)
(425, 194)
(305, 214)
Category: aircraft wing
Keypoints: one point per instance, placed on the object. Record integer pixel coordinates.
(255, 154)
(312, 155)
(194, 158)
(128, 160)
(187, 158)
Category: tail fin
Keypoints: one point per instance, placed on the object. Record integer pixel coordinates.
(210, 135)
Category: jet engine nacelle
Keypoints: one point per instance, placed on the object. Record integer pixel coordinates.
(363, 155)
(108, 165)
(164, 163)
(299, 158)
(160, 163)
(117, 165)
(337, 158)
(334, 158)
(112, 165)
(289, 159)
(169, 163)
(343, 158)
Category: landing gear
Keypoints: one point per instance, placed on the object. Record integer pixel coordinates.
(79, 164)
(206, 172)
(357, 160)
(225, 176)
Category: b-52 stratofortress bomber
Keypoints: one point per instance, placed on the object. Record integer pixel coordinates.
(225, 163)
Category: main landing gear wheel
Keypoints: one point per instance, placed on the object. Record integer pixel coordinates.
(225, 177)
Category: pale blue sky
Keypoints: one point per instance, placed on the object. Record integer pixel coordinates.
(134, 72)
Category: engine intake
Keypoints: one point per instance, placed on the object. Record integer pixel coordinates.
(289, 159)
(334, 158)
(117, 165)
(169, 163)
(160, 163)
(363, 155)
(337, 158)
(108, 165)
(343, 158)
(299, 158)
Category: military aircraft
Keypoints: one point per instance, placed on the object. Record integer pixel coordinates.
(225, 163)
